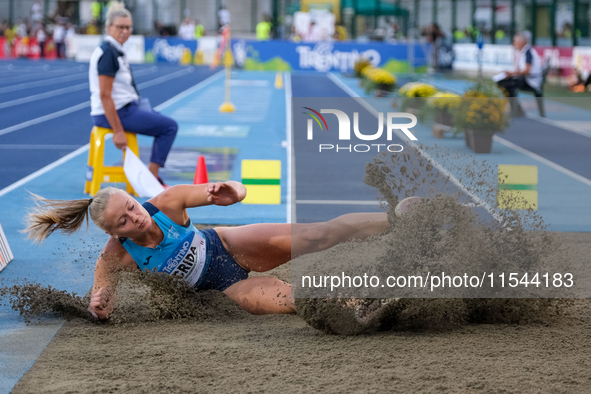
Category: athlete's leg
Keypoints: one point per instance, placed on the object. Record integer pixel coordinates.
(262, 295)
(262, 247)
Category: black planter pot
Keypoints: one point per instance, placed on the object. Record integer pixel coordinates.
(478, 141)
(444, 118)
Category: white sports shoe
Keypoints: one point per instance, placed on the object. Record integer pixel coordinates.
(407, 205)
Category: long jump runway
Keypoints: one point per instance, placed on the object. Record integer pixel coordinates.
(40, 126)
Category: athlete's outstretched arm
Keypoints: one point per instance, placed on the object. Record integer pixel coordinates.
(191, 196)
(112, 261)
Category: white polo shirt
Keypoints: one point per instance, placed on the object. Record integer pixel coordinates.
(109, 59)
(526, 56)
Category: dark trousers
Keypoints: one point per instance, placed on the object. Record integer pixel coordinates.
(511, 85)
(60, 49)
(151, 123)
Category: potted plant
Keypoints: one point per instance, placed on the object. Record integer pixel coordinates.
(440, 106)
(480, 117)
(414, 94)
(378, 80)
(361, 64)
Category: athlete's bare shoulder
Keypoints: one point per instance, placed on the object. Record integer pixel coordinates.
(171, 202)
(114, 253)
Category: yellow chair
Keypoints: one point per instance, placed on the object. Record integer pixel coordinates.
(96, 171)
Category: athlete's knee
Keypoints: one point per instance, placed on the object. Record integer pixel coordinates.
(319, 236)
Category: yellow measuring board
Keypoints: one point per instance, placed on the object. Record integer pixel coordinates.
(262, 179)
(518, 187)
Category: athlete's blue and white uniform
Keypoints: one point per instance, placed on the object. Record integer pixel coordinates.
(199, 257)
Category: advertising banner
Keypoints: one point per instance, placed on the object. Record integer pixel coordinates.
(560, 58)
(170, 50)
(498, 58)
(581, 59)
(495, 58)
(179, 51)
(4, 47)
(24, 48)
(280, 55)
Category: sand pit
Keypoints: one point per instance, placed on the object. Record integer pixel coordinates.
(229, 351)
(164, 337)
(270, 353)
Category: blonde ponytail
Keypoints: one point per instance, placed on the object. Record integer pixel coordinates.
(66, 215)
(51, 215)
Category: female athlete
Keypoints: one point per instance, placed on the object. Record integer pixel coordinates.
(160, 235)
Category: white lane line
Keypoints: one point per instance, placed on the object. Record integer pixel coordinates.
(289, 147)
(87, 104)
(541, 159)
(65, 90)
(337, 202)
(45, 169)
(569, 125)
(479, 201)
(68, 89)
(45, 118)
(33, 77)
(165, 78)
(44, 82)
(41, 96)
(24, 146)
(189, 91)
(86, 147)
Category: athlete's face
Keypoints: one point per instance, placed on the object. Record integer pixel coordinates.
(125, 217)
(121, 29)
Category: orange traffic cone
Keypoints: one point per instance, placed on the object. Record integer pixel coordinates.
(201, 172)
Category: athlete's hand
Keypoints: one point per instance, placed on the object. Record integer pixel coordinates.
(101, 305)
(222, 194)
(120, 140)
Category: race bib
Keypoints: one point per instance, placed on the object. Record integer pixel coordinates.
(187, 260)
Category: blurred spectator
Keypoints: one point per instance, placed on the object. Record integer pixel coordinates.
(434, 35)
(37, 12)
(294, 36)
(70, 34)
(224, 17)
(187, 29)
(59, 36)
(159, 29)
(315, 33)
(95, 9)
(340, 33)
(199, 29)
(41, 37)
(22, 30)
(9, 33)
(263, 29)
(392, 31)
(459, 35)
(567, 31)
(92, 28)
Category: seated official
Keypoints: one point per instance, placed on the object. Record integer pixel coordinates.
(528, 74)
(114, 97)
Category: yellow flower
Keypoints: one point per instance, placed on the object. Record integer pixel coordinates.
(417, 89)
(360, 65)
(381, 76)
